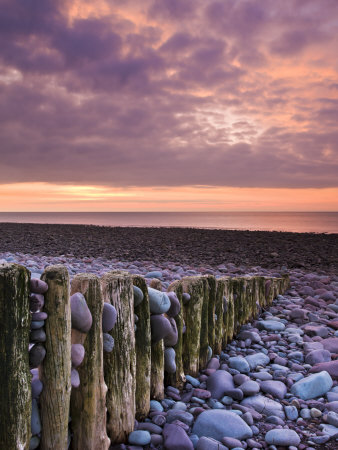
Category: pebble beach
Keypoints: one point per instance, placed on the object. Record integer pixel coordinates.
(275, 385)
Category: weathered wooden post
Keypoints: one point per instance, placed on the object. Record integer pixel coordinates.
(120, 364)
(88, 401)
(219, 311)
(157, 371)
(211, 291)
(228, 310)
(56, 367)
(15, 389)
(178, 378)
(194, 286)
(143, 351)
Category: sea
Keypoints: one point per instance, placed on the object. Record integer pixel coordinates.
(299, 222)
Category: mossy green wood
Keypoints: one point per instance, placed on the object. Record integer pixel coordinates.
(143, 352)
(120, 364)
(56, 367)
(228, 310)
(195, 286)
(178, 378)
(238, 290)
(15, 389)
(157, 371)
(250, 295)
(211, 288)
(88, 401)
(205, 322)
(259, 292)
(219, 311)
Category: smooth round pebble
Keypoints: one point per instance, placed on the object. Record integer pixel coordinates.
(75, 378)
(138, 295)
(282, 436)
(109, 316)
(80, 314)
(36, 355)
(77, 354)
(108, 342)
(139, 437)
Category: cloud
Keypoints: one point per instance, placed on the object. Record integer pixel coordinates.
(169, 93)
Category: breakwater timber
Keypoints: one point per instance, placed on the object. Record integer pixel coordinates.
(101, 349)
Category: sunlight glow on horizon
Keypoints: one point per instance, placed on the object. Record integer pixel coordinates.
(48, 197)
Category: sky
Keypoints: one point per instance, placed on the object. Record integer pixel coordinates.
(168, 105)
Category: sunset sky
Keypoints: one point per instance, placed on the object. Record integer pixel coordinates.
(168, 105)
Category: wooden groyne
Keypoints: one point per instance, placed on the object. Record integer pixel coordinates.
(90, 404)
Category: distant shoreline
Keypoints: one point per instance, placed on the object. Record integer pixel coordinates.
(270, 249)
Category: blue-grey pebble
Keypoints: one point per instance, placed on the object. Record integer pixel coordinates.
(155, 406)
(138, 295)
(159, 302)
(36, 324)
(139, 437)
(34, 443)
(282, 437)
(217, 423)
(109, 316)
(35, 418)
(108, 342)
(37, 387)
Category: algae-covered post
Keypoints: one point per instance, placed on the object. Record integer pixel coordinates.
(56, 368)
(178, 378)
(194, 286)
(143, 349)
(120, 364)
(15, 390)
(88, 401)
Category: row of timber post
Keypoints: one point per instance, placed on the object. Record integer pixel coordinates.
(115, 387)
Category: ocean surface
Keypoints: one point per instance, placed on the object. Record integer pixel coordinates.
(314, 222)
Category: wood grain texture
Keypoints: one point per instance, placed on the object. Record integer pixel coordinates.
(120, 364)
(88, 401)
(56, 367)
(143, 351)
(15, 390)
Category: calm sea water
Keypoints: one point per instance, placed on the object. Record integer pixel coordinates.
(317, 222)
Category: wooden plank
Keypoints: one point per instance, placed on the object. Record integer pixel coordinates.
(56, 367)
(120, 364)
(143, 351)
(88, 401)
(15, 389)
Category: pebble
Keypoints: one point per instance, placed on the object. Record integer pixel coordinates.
(36, 355)
(283, 437)
(219, 383)
(38, 286)
(109, 316)
(218, 423)
(139, 437)
(312, 386)
(77, 354)
(108, 342)
(35, 418)
(175, 438)
(138, 295)
(80, 314)
(169, 360)
(159, 302)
